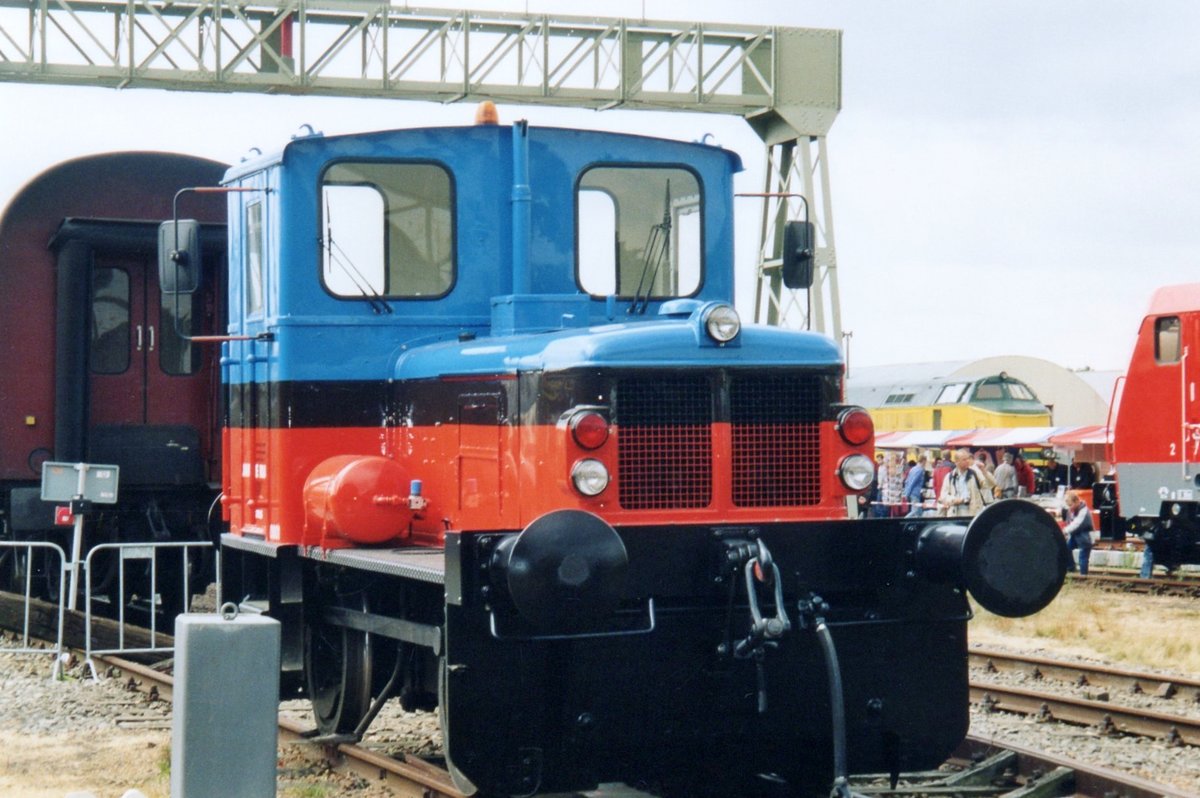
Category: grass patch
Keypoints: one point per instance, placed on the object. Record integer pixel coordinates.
(1124, 628)
(164, 762)
(309, 791)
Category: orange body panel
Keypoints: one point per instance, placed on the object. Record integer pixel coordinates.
(478, 478)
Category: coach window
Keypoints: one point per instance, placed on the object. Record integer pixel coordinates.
(176, 354)
(252, 287)
(1166, 339)
(639, 232)
(387, 230)
(109, 350)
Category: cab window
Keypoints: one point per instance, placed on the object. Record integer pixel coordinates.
(252, 287)
(1166, 339)
(387, 230)
(951, 393)
(989, 391)
(639, 232)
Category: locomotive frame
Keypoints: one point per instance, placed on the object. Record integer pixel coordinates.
(583, 510)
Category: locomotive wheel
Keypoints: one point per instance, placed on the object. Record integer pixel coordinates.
(338, 670)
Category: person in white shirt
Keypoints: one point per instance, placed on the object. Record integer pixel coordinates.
(1006, 477)
(962, 490)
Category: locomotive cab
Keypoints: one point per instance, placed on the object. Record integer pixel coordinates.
(497, 442)
(1157, 431)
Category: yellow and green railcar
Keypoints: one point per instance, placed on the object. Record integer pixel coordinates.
(951, 403)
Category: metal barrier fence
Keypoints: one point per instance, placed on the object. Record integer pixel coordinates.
(52, 553)
(150, 560)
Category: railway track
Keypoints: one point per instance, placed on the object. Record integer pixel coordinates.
(1130, 582)
(404, 776)
(1097, 709)
(1030, 773)
(1185, 574)
(978, 770)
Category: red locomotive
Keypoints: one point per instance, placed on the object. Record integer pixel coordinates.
(1156, 435)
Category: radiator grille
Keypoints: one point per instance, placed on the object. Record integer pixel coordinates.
(664, 442)
(776, 440)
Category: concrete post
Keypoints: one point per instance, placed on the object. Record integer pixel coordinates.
(224, 732)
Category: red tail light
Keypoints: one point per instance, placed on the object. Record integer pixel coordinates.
(855, 426)
(589, 429)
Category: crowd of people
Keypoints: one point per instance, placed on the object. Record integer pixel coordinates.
(961, 483)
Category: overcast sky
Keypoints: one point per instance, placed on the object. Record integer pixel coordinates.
(1007, 177)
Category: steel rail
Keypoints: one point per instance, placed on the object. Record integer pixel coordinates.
(1131, 572)
(404, 776)
(1088, 779)
(1134, 584)
(1085, 712)
(1156, 684)
(980, 768)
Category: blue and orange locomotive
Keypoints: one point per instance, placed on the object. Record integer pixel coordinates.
(497, 442)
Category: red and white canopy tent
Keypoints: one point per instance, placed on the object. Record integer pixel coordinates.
(916, 439)
(1090, 444)
(1086, 443)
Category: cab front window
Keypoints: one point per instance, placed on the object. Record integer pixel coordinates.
(639, 232)
(952, 393)
(387, 230)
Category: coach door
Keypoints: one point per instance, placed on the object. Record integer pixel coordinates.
(144, 372)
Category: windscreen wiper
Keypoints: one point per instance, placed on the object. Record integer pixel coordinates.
(338, 256)
(656, 252)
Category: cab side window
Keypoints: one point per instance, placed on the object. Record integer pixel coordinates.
(253, 285)
(1166, 339)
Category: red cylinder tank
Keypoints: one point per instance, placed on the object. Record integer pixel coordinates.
(359, 498)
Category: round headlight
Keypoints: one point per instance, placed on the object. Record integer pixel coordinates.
(722, 323)
(590, 477)
(856, 471)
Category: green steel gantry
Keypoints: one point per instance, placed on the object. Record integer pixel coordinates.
(785, 82)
